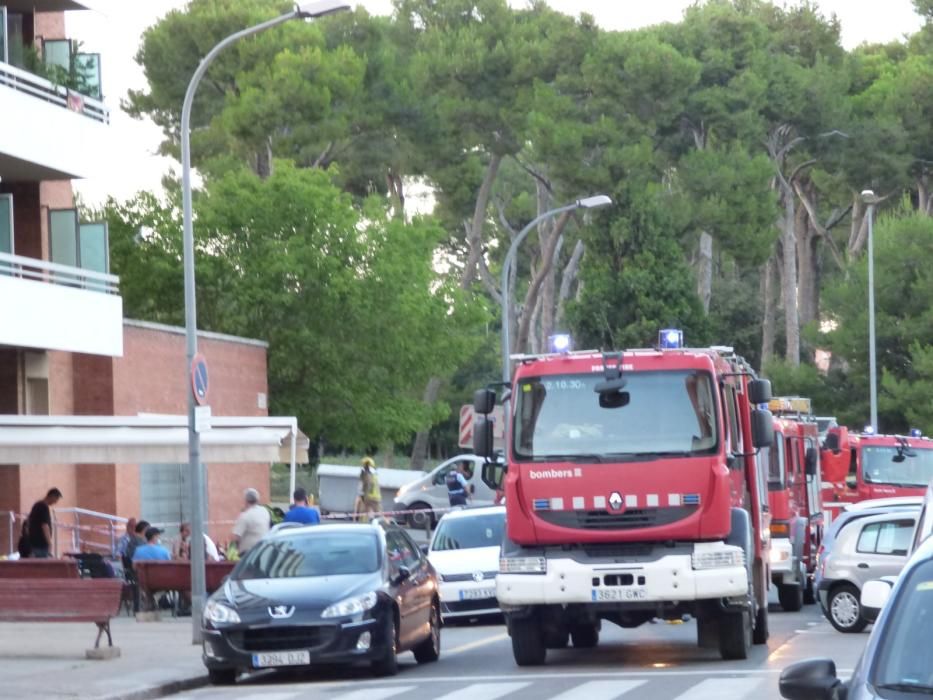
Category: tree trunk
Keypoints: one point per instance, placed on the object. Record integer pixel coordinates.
(547, 259)
(705, 270)
(769, 321)
(420, 448)
(396, 190)
(264, 160)
(475, 236)
(568, 277)
(789, 280)
(548, 293)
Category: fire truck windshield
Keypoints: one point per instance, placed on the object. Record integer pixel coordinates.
(670, 413)
(879, 467)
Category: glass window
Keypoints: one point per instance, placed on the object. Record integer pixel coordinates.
(655, 414)
(57, 52)
(868, 539)
(93, 247)
(776, 463)
(908, 468)
(6, 223)
(63, 231)
(469, 533)
(14, 40)
(401, 551)
(316, 554)
(87, 68)
(892, 537)
(735, 435)
(4, 55)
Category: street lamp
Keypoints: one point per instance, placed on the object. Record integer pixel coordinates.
(303, 10)
(871, 200)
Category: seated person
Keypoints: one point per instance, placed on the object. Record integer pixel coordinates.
(152, 550)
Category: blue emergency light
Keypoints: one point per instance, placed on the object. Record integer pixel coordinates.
(670, 338)
(869, 430)
(916, 432)
(560, 343)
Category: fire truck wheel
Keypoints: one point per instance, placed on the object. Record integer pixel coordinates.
(809, 594)
(528, 642)
(584, 636)
(735, 635)
(791, 597)
(760, 633)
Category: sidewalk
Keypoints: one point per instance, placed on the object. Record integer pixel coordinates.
(46, 660)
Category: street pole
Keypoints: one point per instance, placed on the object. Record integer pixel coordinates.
(195, 467)
(869, 197)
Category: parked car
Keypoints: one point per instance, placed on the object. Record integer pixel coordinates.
(862, 548)
(428, 495)
(465, 553)
(324, 594)
(898, 658)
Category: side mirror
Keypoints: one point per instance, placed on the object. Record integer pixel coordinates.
(810, 680)
(851, 481)
(875, 594)
(810, 462)
(404, 573)
(484, 401)
(425, 548)
(483, 441)
(493, 475)
(759, 391)
(762, 428)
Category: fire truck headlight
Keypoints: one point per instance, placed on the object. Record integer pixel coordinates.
(522, 565)
(779, 555)
(718, 558)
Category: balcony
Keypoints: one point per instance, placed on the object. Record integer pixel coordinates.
(57, 307)
(48, 132)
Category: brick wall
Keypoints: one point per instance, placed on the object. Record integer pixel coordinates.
(50, 25)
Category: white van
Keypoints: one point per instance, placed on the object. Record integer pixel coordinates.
(427, 497)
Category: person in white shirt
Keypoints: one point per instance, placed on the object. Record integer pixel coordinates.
(252, 524)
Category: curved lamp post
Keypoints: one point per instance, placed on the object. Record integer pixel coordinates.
(871, 200)
(303, 10)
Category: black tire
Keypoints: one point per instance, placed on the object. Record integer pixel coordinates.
(387, 664)
(791, 597)
(558, 639)
(528, 642)
(430, 649)
(844, 610)
(735, 635)
(584, 636)
(419, 514)
(760, 633)
(222, 676)
(809, 593)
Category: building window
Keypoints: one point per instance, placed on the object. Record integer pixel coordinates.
(68, 66)
(63, 236)
(12, 38)
(93, 249)
(37, 396)
(6, 224)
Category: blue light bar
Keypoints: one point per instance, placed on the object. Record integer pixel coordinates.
(916, 432)
(869, 430)
(560, 343)
(670, 338)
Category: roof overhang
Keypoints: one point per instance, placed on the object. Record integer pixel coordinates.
(45, 5)
(147, 440)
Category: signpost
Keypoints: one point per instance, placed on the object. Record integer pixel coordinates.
(199, 379)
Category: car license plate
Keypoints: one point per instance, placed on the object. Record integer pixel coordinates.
(616, 594)
(281, 658)
(477, 593)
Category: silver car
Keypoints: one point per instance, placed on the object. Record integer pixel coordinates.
(864, 548)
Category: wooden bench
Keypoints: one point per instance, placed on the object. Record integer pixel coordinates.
(62, 600)
(156, 576)
(39, 568)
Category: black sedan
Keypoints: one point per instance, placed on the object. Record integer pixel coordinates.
(324, 594)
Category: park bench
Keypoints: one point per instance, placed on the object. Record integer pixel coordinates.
(62, 600)
(156, 576)
(38, 568)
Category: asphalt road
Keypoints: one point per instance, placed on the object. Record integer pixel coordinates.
(652, 662)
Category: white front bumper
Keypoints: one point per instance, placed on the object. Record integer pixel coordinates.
(782, 556)
(467, 598)
(669, 578)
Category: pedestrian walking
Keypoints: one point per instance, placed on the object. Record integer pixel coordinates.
(39, 525)
(458, 490)
(370, 495)
(301, 512)
(251, 524)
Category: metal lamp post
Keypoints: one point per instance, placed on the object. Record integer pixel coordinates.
(303, 10)
(871, 200)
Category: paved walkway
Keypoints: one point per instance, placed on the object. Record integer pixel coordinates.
(46, 660)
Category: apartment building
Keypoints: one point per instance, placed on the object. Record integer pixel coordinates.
(66, 350)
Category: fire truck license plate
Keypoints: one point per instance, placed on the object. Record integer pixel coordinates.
(614, 594)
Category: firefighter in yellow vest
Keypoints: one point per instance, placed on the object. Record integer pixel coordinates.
(370, 494)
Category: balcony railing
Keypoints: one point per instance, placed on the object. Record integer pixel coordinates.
(34, 269)
(40, 88)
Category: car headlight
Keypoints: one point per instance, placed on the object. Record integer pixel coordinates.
(522, 565)
(219, 614)
(351, 606)
(718, 558)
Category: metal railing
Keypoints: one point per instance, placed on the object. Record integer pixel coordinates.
(65, 275)
(86, 530)
(40, 88)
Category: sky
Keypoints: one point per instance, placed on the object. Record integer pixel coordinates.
(114, 28)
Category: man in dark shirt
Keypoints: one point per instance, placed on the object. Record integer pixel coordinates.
(40, 525)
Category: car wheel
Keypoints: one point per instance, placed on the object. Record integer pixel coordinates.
(222, 676)
(528, 642)
(419, 515)
(584, 636)
(430, 649)
(791, 597)
(845, 611)
(387, 664)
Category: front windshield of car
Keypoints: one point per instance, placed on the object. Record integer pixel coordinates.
(905, 654)
(469, 533)
(312, 554)
(669, 413)
(879, 467)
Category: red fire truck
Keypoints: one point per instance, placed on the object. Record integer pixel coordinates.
(794, 497)
(633, 491)
(863, 466)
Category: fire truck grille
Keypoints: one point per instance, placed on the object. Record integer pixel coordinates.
(606, 520)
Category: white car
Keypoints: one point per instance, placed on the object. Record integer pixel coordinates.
(465, 553)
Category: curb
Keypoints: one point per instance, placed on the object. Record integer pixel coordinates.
(162, 689)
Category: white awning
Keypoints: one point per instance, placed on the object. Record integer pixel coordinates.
(147, 439)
